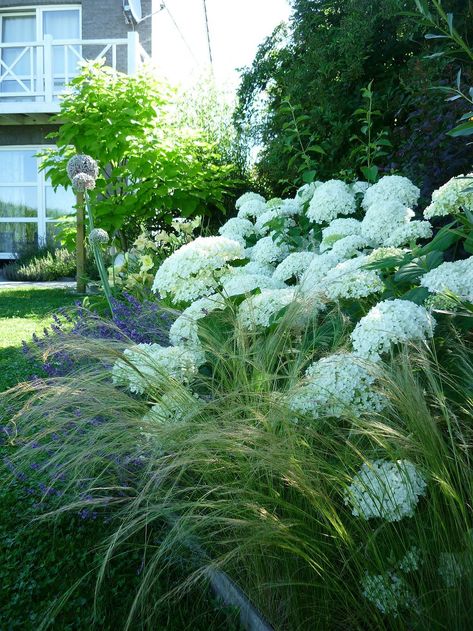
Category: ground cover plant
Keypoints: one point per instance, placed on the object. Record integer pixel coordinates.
(310, 422)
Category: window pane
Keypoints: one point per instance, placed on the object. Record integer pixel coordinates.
(18, 165)
(18, 201)
(20, 60)
(59, 203)
(56, 231)
(16, 236)
(63, 25)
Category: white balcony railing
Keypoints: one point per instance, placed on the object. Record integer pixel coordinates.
(33, 74)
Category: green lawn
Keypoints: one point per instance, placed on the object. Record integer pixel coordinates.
(22, 313)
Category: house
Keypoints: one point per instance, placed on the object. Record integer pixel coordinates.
(41, 45)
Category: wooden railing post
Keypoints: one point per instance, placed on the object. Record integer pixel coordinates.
(80, 244)
(48, 69)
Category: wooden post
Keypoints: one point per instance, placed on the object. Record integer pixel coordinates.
(80, 244)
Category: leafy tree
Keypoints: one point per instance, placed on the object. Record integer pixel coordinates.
(152, 167)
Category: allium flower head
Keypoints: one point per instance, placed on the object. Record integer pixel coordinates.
(99, 236)
(386, 490)
(82, 163)
(83, 182)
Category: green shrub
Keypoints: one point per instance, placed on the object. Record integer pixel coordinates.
(45, 264)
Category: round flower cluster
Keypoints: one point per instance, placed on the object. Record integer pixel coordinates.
(252, 208)
(408, 233)
(237, 229)
(184, 330)
(386, 490)
(259, 310)
(293, 266)
(456, 277)
(261, 226)
(338, 229)
(391, 322)
(172, 408)
(312, 279)
(331, 199)
(82, 163)
(349, 246)
(235, 284)
(148, 366)
(268, 251)
(359, 187)
(388, 592)
(305, 193)
(392, 188)
(349, 280)
(379, 254)
(453, 567)
(83, 182)
(248, 197)
(99, 236)
(193, 271)
(449, 198)
(335, 385)
(384, 218)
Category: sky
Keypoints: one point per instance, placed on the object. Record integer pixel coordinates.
(236, 28)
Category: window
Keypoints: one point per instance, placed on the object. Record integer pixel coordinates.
(22, 67)
(30, 210)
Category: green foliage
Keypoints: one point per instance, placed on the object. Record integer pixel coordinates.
(151, 167)
(43, 264)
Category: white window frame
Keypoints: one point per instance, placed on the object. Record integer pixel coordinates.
(38, 11)
(41, 220)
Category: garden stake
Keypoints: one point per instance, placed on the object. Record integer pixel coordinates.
(80, 244)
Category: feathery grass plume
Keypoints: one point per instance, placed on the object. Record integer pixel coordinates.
(261, 488)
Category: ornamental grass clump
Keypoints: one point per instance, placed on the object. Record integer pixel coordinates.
(305, 437)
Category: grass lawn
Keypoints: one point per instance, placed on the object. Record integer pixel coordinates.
(22, 313)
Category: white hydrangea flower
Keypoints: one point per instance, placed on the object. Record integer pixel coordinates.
(253, 267)
(241, 283)
(449, 198)
(392, 188)
(260, 225)
(452, 568)
(379, 254)
(359, 187)
(391, 322)
(267, 251)
(455, 277)
(247, 197)
(252, 208)
(337, 385)
(171, 408)
(312, 279)
(304, 193)
(349, 280)
(293, 265)
(193, 270)
(384, 218)
(237, 229)
(184, 330)
(256, 311)
(149, 365)
(338, 229)
(411, 561)
(388, 592)
(349, 246)
(386, 490)
(409, 232)
(331, 199)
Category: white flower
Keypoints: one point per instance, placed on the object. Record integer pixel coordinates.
(293, 265)
(171, 408)
(331, 199)
(359, 187)
(411, 561)
(260, 224)
(259, 310)
(184, 330)
(383, 253)
(241, 283)
(249, 196)
(349, 246)
(194, 269)
(268, 251)
(336, 385)
(386, 490)
(237, 229)
(304, 193)
(82, 163)
(312, 279)
(388, 592)
(449, 198)
(452, 567)
(383, 218)
(456, 277)
(392, 188)
(391, 322)
(252, 208)
(349, 280)
(409, 232)
(338, 229)
(148, 366)
(99, 236)
(253, 267)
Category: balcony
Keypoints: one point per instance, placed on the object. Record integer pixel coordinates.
(33, 74)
